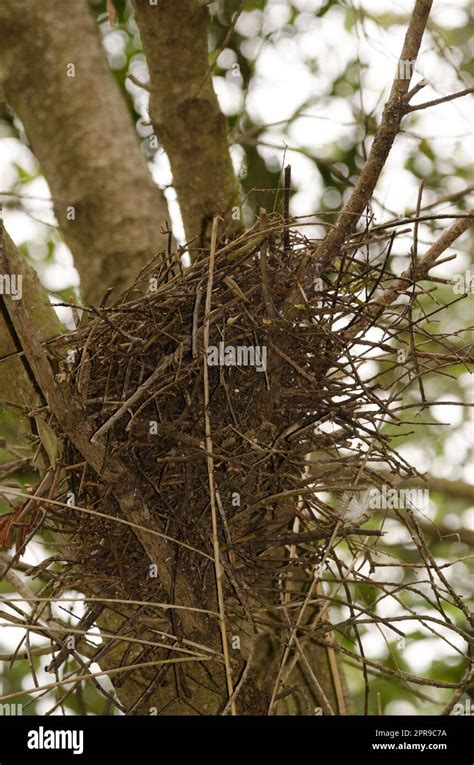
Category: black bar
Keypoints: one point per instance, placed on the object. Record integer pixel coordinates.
(423, 739)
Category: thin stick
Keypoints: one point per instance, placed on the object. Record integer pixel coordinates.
(379, 704)
(286, 210)
(210, 470)
(124, 521)
(137, 395)
(270, 309)
(197, 305)
(389, 127)
(104, 673)
(466, 680)
(315, 585)
(335, 672)
(221, 47)
(443, 100)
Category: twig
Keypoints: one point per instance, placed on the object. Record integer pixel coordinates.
(286, 210)
(210, 470)
(270, 308)
(428, 104)
(105, 673)
(465, 682)
(389, 127)
(153, 532)
(197, 304)
(138, 393)
(223, 45)
(139, 83)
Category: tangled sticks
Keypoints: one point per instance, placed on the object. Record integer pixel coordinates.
(274, 383)
(223, 427)
(139, 378)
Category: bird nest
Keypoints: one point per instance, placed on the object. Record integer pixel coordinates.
(228, 410)
(226, 387)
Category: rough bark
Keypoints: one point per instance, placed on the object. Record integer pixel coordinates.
(82, 134)
(185, 111)
(16, 381)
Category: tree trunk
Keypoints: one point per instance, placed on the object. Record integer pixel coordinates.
(185, 112)
(57, 80)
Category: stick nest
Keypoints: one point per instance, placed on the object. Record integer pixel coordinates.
(283, 428)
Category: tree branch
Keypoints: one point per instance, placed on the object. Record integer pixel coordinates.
(419, 270)
(17, 384)
(395, 108)
(57, 80)
(416, 272)
(443, 100)
(185, 111)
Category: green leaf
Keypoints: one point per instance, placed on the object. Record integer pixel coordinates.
(48, 439)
